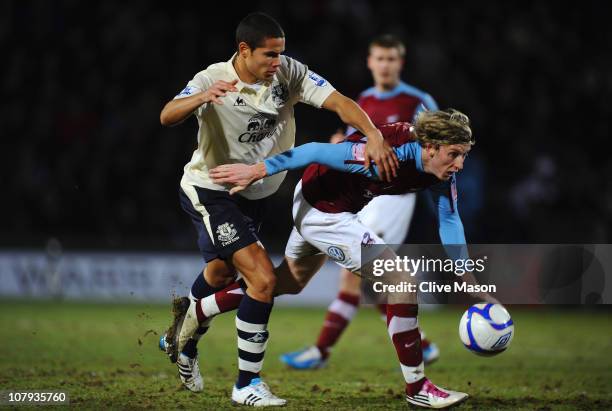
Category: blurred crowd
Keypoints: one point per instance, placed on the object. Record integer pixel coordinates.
(87, 162)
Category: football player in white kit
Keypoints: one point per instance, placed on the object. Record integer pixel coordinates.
(244, 108)
(388, 101)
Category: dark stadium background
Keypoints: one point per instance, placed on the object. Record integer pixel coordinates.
(86, 161)
(86, 165)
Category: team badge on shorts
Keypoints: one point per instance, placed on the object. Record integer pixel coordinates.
(226, 233)
(336, 253)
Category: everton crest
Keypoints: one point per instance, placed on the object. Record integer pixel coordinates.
(280, 94)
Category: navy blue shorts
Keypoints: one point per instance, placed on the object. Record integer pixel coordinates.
(225, 224)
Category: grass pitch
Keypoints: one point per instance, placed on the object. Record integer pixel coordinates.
(106, 357)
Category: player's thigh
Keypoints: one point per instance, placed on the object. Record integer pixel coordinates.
(389, 216)
(292, 275)
(302, 261)
(219, 273)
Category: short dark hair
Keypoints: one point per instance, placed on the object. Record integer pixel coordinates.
(389, 41)
(255, 28)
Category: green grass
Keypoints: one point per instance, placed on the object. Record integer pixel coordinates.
(106, 357)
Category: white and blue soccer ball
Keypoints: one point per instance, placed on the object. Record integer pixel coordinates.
(486, 329)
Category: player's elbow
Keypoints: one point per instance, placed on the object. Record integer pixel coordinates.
(166, 119)
(168, 116)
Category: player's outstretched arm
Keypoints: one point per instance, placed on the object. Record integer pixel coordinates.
(452, 234)
(177, 110)
(342, 157)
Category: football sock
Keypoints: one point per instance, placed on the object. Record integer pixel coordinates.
(201, 288)
(190, 349)
(339, 314)
(252, 325)
(191, 346)
(403, 329)
(424, 341)
(224, 300)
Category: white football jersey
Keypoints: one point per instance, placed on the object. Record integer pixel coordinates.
(254, 123)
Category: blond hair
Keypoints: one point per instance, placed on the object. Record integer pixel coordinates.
(443, 127)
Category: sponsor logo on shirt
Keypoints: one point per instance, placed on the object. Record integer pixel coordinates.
(187, 91)
(239, 102)
(336, 253)
(280, 94)
(316, 79)
(226, 233)
(393, 118)
(259, 127)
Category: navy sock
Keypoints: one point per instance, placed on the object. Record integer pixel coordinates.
(191, 346)
(252, 323)
(201, 289)
(190, 349)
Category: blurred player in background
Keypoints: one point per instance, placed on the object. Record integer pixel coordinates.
(389, 101)
(244, 109)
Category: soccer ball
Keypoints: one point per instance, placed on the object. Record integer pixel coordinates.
(486, 329)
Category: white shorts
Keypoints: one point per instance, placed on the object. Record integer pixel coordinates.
(338, 235)
(389, 216)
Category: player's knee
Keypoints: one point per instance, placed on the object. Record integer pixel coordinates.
(264, 284)
(219, 274)
(218, 281)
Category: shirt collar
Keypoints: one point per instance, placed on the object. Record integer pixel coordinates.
(240, 85)
(418, 159)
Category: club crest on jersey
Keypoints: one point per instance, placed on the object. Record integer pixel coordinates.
(259, 127)
(280, 94)
(316, 79)
(226, 233)
(336, 253)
